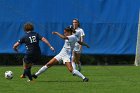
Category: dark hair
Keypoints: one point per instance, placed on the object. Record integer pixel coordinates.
(28, 27)
(72, 29)
(77, 21)
(68, 30)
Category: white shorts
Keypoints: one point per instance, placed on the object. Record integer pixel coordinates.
(62, 58)
(77, 48)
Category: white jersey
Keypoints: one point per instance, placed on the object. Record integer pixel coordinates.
(79, 33)
(67, 49)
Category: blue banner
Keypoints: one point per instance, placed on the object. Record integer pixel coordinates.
(110, 25)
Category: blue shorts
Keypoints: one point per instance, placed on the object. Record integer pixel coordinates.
(30, 58)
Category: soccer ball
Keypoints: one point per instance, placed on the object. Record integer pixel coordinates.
(9, 75)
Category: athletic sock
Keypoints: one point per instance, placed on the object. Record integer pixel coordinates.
(28, 73)
(73, 65)
(76, 72)
(41, 70)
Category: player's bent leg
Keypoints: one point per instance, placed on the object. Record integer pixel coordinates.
(28, 73)
(44, 68)
(73, 62)
(69, 66)
(27, 70)
(23, 75)
(76, 72)
(26, 65)
(77, 58)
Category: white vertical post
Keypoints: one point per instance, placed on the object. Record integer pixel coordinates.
(137, 56)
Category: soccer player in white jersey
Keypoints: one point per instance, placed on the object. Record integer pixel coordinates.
(64, 54)
(78, 48)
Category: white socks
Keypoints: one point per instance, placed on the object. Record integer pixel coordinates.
(44, 68)
(41, 70)
(73, 65)
(76, 72)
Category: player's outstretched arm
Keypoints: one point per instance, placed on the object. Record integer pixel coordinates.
(47, 42)
(60, 35)
(15, 47)
(84, 44)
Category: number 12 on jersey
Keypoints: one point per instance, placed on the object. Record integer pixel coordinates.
(32, 39)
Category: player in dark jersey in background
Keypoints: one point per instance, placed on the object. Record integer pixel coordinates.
(31, 40)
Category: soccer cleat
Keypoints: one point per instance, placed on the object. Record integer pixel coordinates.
(85, 80)
(34, 76)
(22, 76)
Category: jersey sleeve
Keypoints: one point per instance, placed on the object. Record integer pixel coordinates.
(82, 32)
(72, 38)
(21, 40)
(39, 36)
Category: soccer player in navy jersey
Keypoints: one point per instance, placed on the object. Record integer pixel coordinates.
(31, 40)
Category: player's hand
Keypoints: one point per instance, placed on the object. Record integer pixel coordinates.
(87, 46)
(54, 32)
(52, 49)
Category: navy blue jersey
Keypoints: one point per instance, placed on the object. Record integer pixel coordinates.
(31, 41)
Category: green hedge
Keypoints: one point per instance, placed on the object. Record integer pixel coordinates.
(108, 59)
(13, 59)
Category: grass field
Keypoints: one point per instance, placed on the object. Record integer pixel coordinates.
(103, 79)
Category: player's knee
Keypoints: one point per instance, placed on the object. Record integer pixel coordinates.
(48, 65)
